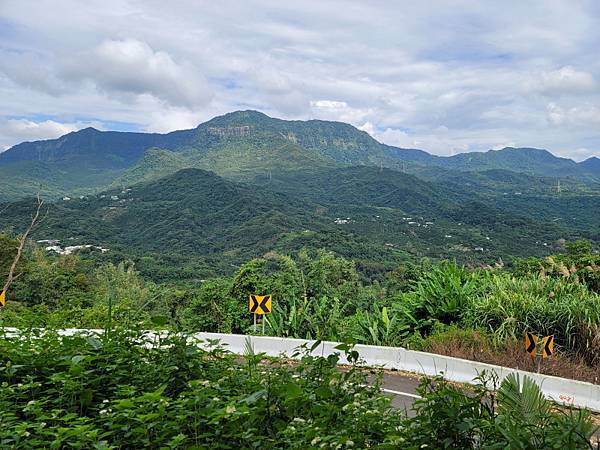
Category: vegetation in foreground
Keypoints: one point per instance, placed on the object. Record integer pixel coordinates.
(109, 392)
(474, 313)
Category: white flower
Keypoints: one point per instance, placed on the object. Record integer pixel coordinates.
(230, 409)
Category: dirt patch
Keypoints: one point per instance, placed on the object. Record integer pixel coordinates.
(513, 355)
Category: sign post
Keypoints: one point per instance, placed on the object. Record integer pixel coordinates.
(260, 304)
(2, 298)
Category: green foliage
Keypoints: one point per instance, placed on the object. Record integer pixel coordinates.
(273, 274)
(327, 275)
(444, 292)
(111, 392)
(213, 308)
(309, 318)
(511, 306)
(578, 265)
(53, 282)
(378, 328)
(579, 248)
(518, 417)
(526, 420)
(8, 250)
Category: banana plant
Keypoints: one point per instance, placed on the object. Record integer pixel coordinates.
(378, 328)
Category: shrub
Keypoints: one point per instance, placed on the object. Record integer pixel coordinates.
(111, 392)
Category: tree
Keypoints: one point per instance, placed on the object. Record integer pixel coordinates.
(35, 220)
(580, 247)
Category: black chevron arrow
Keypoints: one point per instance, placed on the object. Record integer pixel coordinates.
(531, 347)
(547, 349)
(263, 304)
(254, 306)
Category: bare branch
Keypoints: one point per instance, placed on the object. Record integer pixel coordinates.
(34, 222)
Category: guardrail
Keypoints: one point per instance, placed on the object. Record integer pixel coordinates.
(560, 390)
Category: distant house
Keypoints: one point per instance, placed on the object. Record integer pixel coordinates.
(66, 199)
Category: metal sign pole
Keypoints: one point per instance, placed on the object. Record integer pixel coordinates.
(254, 322)
(263, 324)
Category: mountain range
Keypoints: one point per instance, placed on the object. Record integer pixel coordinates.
(195, 203)
(239, 146)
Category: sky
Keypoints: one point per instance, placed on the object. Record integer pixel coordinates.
(444, 76)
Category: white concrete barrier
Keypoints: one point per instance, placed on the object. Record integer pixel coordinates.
(560, 390)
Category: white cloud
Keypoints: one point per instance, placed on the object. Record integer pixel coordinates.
(583, 116)
(566, 80)
(24, 129)
(329, 104)
(463, 75)
(131, 66)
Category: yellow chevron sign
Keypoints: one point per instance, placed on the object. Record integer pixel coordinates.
(3, 298)
(531, 344)
(259, 304)
(547, 346)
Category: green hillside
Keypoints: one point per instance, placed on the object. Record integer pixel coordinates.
(193, 223)
(244, 145)
(154, 164)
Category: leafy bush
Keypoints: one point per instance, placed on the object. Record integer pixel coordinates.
(379, 328)
(213, 308)
(309, 318)
(517, 417)
(111, 392)
(444, 292)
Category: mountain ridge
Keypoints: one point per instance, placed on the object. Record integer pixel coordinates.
(180, 136)
(241, 145)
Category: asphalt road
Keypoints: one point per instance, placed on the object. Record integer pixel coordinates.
(402, 389)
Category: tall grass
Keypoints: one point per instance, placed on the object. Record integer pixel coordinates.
(510, 306)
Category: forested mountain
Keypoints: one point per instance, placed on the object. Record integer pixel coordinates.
(241, 145)
(194, 223)
(199, 202)
(592, 165)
